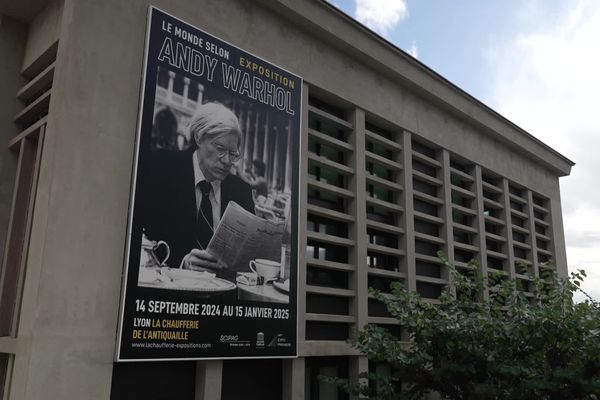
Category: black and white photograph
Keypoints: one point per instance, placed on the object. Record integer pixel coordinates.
(216, 161)
(214, 214)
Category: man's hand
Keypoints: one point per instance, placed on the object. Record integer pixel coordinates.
(201, 260)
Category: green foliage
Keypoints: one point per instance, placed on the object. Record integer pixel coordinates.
(488, 341)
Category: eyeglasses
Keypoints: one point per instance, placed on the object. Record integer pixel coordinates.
(234, 156)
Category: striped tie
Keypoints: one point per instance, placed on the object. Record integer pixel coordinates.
(205, 215)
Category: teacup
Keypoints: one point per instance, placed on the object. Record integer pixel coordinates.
(148, 256)
(267, 270)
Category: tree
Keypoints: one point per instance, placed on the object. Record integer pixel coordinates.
(487, 340)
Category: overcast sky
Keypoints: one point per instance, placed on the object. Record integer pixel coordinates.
(537, 62)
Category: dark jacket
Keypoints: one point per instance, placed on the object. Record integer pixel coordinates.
(168, 201)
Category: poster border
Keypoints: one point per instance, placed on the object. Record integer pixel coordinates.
(129, 234)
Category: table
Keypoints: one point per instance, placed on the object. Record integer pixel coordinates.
(266, 293)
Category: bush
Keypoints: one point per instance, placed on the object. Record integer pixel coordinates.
(487, 341)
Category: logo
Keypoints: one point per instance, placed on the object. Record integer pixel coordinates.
(234, 341)
(260, 339)
(228, 338)
(279, 341)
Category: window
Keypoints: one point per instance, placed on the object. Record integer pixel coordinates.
(315, 388)
(27, 148)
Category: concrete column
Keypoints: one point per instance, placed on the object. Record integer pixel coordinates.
(535, 265)
(255, 153)
(248, 141)
(200, 95)
(358, 256)
(186, 90)
(408, 219)
(209, 378)
(448, 230)
(480, 226)
(293, 379)
(265, 153)
(510, 251)
(557, 234)
(303, 176)
(293, 369)
(274, 159)
(170, 85)
(288, 160)
(357, 365)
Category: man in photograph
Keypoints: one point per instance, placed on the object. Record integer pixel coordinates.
(186, 193)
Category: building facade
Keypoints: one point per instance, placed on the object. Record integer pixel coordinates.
(396, 164)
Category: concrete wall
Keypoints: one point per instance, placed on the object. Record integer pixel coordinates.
(71, 296)
(42, 34)
(12, 43)
(71, 299)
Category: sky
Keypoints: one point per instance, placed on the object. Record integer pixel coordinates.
(536, 62)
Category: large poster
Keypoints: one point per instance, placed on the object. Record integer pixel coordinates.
(211, 255)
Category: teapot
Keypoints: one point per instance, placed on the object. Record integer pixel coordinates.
(148, 256)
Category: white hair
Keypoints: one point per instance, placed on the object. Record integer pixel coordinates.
(212, 120)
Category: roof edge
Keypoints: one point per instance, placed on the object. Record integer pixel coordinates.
(422, 79)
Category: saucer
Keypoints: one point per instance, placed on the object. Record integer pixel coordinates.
(283, 286)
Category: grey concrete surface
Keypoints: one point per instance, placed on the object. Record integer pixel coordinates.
(12, 44)
(42, 33)
(75, 265)
(22, 10)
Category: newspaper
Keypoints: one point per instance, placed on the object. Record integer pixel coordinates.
(242, 236)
